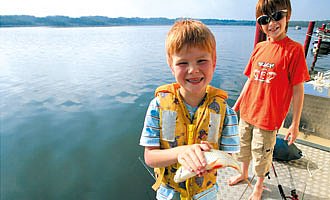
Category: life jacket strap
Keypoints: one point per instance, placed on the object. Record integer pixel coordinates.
(186, 195)
(191, 135)
(159, 172)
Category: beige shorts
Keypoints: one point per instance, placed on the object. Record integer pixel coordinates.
(256, 144)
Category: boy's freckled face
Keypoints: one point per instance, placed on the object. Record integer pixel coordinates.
(193, 69)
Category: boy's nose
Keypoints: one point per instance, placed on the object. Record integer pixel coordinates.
(193, 69)
(272, 21)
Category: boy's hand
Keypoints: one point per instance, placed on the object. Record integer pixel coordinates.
(293, 133)
(192, 157)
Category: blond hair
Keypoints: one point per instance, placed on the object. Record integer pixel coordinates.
(187, 33)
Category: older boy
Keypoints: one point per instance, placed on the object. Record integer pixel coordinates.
(277, 70)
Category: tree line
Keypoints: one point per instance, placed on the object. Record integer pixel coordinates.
(87, 21)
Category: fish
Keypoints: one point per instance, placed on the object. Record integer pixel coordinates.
(215, 159)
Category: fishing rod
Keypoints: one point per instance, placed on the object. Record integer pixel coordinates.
(280, 188)
(293, 196)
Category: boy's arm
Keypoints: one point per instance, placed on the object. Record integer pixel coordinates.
(155, 157)
(239, 99)
(189, 156)
(297, 105)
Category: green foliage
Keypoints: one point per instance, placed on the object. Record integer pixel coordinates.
(64, 21)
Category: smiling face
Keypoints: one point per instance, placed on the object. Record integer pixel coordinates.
(275, 30)
(279, 12)
(193, 69)
(191, 54)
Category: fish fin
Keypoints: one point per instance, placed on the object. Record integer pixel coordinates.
(215, 165)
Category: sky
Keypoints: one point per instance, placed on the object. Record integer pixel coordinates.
(305, 10)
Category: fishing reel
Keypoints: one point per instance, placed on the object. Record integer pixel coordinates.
(294, 195)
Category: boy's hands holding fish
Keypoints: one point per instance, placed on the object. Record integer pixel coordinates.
(189, 156)
(193, 159)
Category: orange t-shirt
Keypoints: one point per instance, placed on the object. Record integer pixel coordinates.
(273, 69)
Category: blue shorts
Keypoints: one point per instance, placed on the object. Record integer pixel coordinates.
(167, 193)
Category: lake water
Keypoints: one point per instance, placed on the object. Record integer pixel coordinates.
(73, 102)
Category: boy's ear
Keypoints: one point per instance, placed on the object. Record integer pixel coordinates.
(169, 63)
(288, 18)
(214, 61)
(171, 69)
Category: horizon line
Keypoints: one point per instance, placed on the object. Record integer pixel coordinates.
(75, 17)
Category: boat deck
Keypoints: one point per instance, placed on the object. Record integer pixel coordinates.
(309, 175)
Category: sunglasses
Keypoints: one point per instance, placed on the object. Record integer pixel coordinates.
(276, 16)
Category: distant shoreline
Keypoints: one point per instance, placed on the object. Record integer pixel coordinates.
(102, 21)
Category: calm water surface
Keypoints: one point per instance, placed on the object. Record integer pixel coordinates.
(73, 102)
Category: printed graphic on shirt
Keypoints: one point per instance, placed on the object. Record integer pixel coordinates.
(264, 73)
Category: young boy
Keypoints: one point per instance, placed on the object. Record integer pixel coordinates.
(276, 72)
(188, 117)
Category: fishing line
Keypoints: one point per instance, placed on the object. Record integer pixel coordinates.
(248, 185)
(146, 167)
(308, 165)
